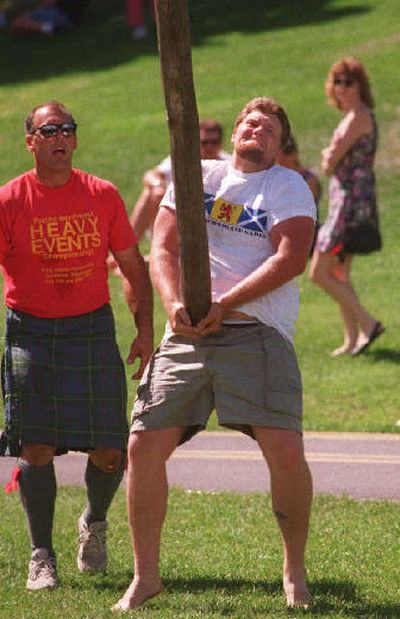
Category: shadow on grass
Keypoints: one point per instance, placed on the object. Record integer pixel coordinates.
(329, 596)
(104, 40)
(332, 596)
(230, 585)
(209, 18)
(119, 582)
(385, 354)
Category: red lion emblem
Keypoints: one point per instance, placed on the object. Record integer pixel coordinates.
(225, 212)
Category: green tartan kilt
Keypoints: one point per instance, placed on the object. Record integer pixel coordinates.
(63, 383)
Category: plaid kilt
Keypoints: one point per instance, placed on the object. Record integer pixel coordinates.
(63, 383)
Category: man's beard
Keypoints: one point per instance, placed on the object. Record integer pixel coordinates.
(254, 155)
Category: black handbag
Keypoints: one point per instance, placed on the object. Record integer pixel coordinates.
(361, 237)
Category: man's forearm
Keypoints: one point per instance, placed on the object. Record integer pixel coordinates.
(144, 297)
(272, 274)
(140, 302)
(137, 288)
(165, 275)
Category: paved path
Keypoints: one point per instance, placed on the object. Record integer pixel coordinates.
(362, 466)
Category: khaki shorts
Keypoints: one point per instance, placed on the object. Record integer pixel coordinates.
(249, 373)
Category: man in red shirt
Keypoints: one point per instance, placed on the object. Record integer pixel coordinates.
(63, 377)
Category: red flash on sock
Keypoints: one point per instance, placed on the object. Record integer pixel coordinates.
(13, 485)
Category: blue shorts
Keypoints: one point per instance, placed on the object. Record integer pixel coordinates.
(54, 15)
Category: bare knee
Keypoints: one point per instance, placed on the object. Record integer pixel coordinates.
(283, 450)
(311, 275)
(341, 272)
(290, 458)
(316, 274)
(106, 459)
(142, 446)
(320, 268)
(37, 454)
(153, 447)
(287, 457)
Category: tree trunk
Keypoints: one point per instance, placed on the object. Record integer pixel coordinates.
(180, 100)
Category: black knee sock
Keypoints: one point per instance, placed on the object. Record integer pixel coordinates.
(38, 491)
(101, 489)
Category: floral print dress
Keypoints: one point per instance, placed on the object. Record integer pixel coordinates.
(352, 193)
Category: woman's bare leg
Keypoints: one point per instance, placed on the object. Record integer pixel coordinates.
(341, 272)
(327, 273)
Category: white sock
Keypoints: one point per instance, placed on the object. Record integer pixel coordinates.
(47, 27)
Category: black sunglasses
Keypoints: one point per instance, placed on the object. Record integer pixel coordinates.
(51, 129)
(346, 82)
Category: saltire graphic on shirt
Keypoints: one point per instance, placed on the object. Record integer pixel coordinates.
(225, 212)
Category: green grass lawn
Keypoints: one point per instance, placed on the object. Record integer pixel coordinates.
(275, 48)
(221, 557)
(221, 552)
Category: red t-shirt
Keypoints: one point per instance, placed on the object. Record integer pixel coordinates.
(54, 242)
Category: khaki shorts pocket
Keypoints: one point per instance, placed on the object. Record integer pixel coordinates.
(283, 387)
(144, 393)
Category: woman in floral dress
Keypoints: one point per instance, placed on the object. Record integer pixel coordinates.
(348, 160)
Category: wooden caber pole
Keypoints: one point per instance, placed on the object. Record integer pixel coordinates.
(180, 100)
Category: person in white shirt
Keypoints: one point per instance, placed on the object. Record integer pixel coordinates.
(156, 180)
(240, 358)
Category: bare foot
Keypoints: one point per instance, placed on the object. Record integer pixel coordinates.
(364, 340)
(137, 594)
(297, 593)
(342, 350)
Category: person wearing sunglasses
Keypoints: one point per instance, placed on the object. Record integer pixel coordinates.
(156, 180)
(348, 161)
(63, 377)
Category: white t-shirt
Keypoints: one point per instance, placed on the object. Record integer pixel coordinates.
(165, 166)
(241, 209)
